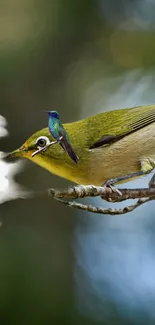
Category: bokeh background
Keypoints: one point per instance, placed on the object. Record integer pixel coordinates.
(56, 264)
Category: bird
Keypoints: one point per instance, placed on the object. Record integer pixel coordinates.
(59, 133)
(114, 146)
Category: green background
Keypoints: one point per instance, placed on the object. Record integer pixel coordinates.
(80, 58)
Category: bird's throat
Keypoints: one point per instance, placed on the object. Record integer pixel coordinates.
(54, 167)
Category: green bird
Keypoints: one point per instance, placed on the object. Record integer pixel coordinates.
(112, 147)
(59, 133)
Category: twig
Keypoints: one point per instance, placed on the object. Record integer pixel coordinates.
(43, 148)
(110, 211)
(80, 191)
(46, 147)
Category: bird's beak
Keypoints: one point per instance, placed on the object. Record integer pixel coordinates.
(17, 153)
(43, 110)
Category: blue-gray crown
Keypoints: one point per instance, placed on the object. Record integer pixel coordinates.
(53, 114)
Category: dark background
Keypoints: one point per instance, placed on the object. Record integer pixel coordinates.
(56, 264)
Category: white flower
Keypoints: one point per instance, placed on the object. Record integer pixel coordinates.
(9, 189)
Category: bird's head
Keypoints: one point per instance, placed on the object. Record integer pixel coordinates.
(54, 114)
(38, 140)
(54, 159)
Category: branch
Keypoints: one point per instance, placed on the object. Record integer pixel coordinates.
(80, 191)
(91, 208)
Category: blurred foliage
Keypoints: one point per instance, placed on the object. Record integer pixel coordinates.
(73, 56)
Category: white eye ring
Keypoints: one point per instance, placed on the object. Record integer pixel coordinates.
(42, 141)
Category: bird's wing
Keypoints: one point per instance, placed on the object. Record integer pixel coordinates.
(68, 148)
(115, 126)
(57, 130)
(65, 142)
(60, 131)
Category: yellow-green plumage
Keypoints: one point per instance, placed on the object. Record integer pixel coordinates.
(127, 146)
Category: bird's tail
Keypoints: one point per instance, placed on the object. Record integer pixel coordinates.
(68, 148)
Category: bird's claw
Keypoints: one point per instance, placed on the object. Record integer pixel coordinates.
(108, 184)
(44, 149)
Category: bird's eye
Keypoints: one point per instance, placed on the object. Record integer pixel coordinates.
(42, 141)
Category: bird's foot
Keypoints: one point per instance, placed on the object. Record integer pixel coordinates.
(109, 184)
(51, 143)
(152, 182)
(43, 149)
